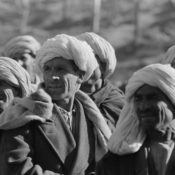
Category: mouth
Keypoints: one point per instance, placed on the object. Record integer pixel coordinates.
(54, 87)
(87, 87)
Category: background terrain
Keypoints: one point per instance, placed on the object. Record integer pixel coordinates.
(140, 30)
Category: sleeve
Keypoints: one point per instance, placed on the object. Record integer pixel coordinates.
(16, 153)
(111, 107)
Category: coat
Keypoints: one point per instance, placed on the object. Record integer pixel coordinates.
(49, 148)
(133, 164)
(110, 101)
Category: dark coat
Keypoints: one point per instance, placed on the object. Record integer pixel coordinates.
(49, 148)
(110, 101)
(131, 164)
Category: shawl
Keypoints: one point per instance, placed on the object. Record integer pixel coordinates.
(13, 73)
(102, 48)
(68, 47)
(128, 136)
(110, 101)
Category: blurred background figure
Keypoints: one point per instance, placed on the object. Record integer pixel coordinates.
(23, 49)
(14, 82)
(108, 98)
(169, 56)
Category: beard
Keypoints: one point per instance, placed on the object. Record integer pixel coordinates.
(159, 124)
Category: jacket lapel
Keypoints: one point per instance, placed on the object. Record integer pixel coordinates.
(83, 154)
(58, 135)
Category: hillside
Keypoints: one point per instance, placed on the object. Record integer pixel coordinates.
(140, 34)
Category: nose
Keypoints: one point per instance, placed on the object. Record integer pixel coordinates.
(20, 62)
(55, 77)
(144, 105)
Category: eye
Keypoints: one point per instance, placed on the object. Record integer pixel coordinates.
(2, 96)
(61, 69)
(22, 58)
(46, 68)
(137, 98)
(32, 54)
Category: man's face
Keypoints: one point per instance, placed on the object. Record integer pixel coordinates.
(93, 83)
(25, 59)
(7, 93)
(152, 107)
(61, 78)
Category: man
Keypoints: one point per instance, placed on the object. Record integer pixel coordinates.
(23, 49)
(108, 98)
(143, 142)
(65, 141)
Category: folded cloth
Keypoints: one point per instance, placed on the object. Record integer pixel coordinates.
(38, 106)
(101, 128)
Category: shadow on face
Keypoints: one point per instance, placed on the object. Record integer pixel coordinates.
(152, 107)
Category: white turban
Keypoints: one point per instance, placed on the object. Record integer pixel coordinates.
(13, 73)
(68, 47)
(103, 49)
(128, 136)
(169, 56)
(20, 44)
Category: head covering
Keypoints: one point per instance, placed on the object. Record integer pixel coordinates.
(128, 136)
(13, 73)
(70, 48)
(169, 56)
(20, 44)
(103, 49)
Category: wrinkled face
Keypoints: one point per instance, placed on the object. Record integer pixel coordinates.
(61, 78)
(93, 83)
(153, 108)
(7, 93)
(25, 59)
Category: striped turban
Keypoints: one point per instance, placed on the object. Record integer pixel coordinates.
(169, 56)
(20, 45)
(13, 73)
(129, 136)
(103, 49)
(70, 48)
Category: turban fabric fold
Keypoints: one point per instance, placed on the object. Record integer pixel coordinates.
(13, 73)
(20, 44)
(129, 136)
(70, 48)
(103, 49)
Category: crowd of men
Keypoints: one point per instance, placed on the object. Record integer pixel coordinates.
(60, 115)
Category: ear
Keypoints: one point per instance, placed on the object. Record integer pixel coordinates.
(80, 77)
(80, 80)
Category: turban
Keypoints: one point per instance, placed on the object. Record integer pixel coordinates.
(128, 136)
(169, 56)
(70, 48)
(20, 44)
(103, 49)
(14, 74)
